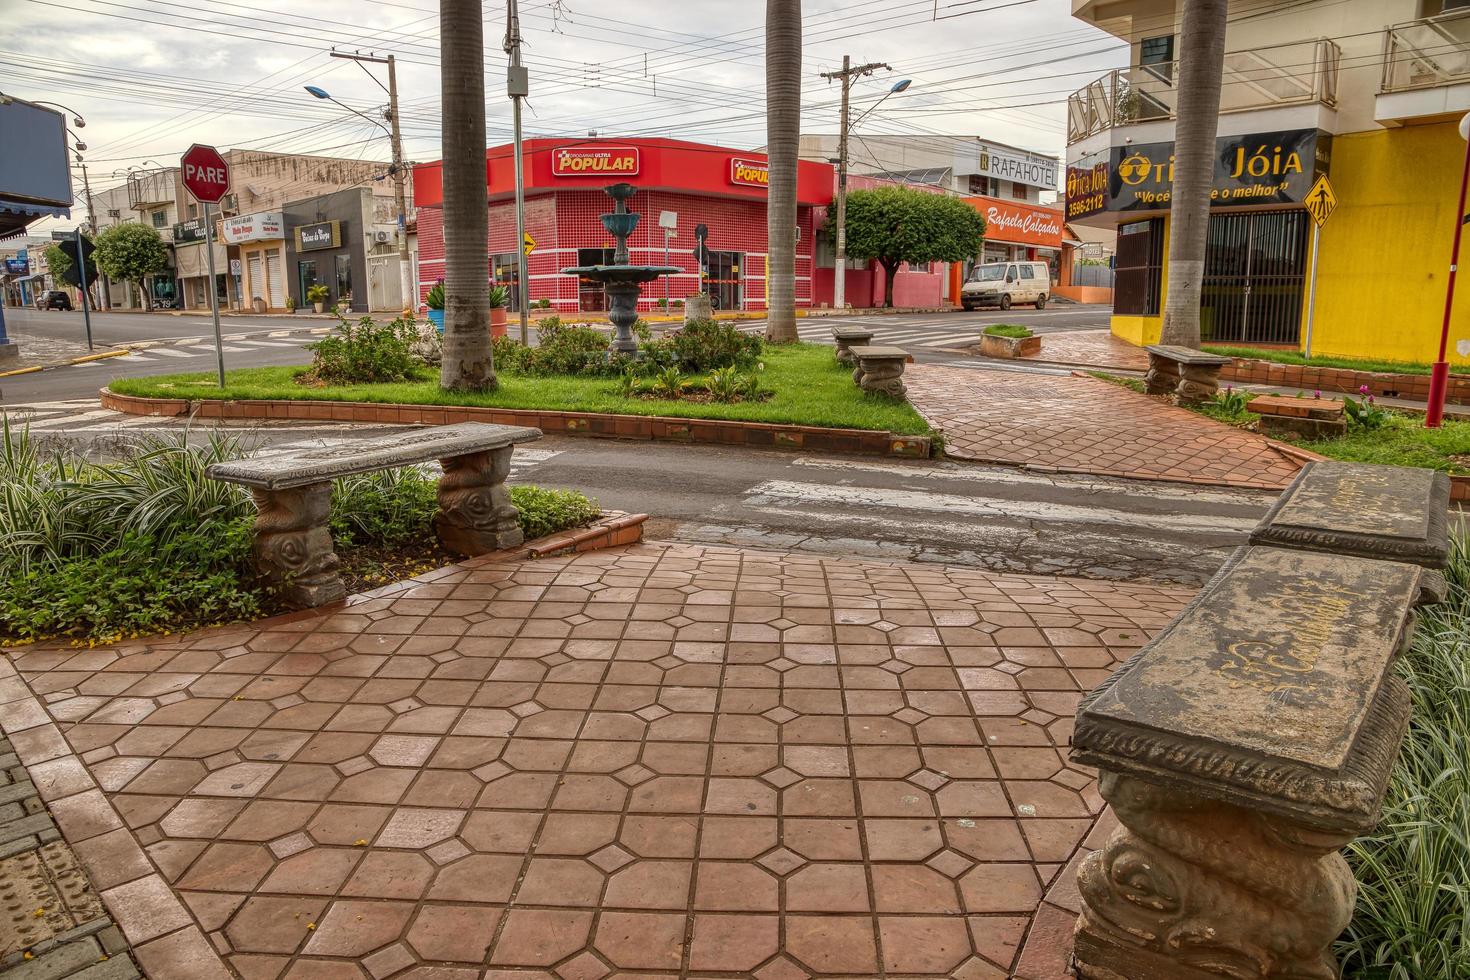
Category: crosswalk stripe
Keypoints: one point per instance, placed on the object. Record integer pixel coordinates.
(263, 343)
(209, 348)
(169, 352)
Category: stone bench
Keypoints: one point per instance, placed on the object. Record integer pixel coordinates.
(1190, 375)
(293, 496)
(880, 370)
(1240, 750)
(1395, 513)
(846, 339)
(1309, 418)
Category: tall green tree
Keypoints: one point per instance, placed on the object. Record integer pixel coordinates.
(783, 133)
(894, 225)
(132, 252)
(57, 261)
(1197, 115)
(468, 359)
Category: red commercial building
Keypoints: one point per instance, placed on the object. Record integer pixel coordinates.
(721, 188)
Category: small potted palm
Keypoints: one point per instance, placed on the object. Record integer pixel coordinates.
(499, 295)
(316, 295)
(434, 300)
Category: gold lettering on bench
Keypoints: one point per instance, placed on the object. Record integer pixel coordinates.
(1282, 668)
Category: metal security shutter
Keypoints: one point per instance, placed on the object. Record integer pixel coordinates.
(256, 279)
(277, 298)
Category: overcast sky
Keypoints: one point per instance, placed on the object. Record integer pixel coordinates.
(152, 76)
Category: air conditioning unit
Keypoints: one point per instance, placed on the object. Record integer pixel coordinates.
(382, 237)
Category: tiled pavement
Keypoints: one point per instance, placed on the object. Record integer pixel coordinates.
(1078, 424)
(1094, 348)
(660, 760)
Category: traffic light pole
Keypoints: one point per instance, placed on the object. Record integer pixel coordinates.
(82, 278)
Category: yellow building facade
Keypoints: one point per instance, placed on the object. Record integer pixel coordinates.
(1367, 109)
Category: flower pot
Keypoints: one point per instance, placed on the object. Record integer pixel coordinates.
(318, 306)
(497, 321)
(1009, 347)
(436, 317)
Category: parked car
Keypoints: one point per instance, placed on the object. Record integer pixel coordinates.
(55, 299)
(1005, 284)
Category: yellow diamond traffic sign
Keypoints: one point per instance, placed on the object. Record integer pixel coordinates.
(1321, 201)
(530, 243)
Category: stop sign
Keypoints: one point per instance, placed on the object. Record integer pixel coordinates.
(206, 174)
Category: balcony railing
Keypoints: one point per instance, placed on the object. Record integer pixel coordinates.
(1428, 52)
(1283, 74)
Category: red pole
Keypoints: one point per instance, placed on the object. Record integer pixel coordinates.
(1439, 376)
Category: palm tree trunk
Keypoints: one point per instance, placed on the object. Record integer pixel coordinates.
(469, 363)
(783, 131)
(1201, 65)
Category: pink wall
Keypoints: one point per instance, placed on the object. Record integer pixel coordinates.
(864, 287)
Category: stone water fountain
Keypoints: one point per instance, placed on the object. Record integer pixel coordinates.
(622, 281)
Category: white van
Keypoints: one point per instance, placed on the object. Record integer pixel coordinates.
(1004, 284)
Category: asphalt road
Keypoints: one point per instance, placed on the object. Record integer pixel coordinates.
(112, 329)
(996, 518)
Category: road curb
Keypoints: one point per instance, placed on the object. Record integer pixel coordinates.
(60, 364)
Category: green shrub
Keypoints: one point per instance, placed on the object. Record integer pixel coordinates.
(1412, 920)
(543, 303)
(543, 511)
(364, 353)
(434, 300)
(566, 349)
(389, 508)
(1012, 330)
(668, 383)
(499, 295)
(316, 293)
(701, 346)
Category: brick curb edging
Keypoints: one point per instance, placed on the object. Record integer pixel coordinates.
(154, 922)
(1411, 387)
(769, 435)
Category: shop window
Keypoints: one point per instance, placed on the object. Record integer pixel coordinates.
(1018, 190)
(160, 219)
(193, 211)
(983, 184)
(1140, 266)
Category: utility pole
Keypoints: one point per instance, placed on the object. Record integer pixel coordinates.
(103, 300)
(846, 75)
(400, 175)
(518, 86)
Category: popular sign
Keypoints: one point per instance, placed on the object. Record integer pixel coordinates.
(1259, 168)
(262, 226)
(322, 234)
(750, 173)
(594, 161)
(205, 173)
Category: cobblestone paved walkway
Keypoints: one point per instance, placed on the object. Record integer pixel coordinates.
(1095, 348)
(659, 760)
(1083, 425)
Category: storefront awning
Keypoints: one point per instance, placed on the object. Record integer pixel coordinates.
(15, 215)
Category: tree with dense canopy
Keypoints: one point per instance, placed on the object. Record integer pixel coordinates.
(131, 252)
(894, 225)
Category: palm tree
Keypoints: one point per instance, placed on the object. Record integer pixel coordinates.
(469, 362)
(1201, 65)
(783, 132)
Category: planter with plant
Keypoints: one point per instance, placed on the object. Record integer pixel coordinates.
(1009, 340)
(316, 295)
(290, 304)
(499, 296)
(435, 302)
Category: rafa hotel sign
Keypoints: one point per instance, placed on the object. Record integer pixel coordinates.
(1259, 168)
(594, 161)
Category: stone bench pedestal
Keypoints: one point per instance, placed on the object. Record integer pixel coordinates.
(846, 339)
(880, 370)
(1191, 376)
(293, 548)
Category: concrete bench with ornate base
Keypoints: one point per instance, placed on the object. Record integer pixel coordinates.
(846, 339)
(1190, 375)
(293, 496)
(1240, 750)
(1391, 512)
(880, 370)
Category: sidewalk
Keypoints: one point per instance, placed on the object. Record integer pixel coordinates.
(1083, 425)
(659, 759)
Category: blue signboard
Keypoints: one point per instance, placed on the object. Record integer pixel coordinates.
(17, 267)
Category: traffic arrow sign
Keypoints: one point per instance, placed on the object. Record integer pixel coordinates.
(205, 173)
(530, 244)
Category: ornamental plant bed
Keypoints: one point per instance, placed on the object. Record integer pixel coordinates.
(1009, 340)
(808, 389)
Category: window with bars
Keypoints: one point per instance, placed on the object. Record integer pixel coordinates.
(1140, 265)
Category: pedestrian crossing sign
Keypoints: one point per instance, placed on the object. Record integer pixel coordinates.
(530, 244)
(1321, 201)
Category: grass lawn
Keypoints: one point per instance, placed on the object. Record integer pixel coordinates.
(1296, 357)
(810, 387)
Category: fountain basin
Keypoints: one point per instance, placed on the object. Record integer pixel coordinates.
(622, 273)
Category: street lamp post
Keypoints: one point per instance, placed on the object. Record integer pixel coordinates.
(1439, 375)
